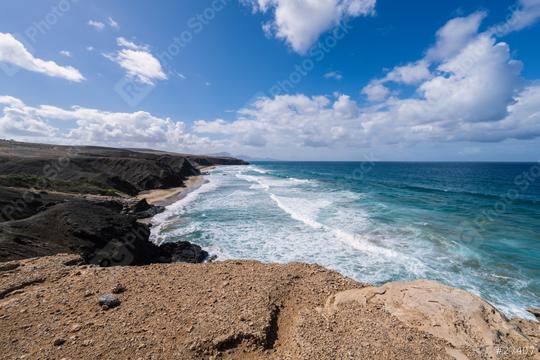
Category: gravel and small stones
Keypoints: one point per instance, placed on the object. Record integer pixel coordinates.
(87, 342)
(118, 289)
(59, 342)
(75, 327)
(109, 301)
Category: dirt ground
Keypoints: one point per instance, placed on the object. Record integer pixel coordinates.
(49, 309)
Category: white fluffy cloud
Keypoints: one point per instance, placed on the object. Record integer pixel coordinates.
(468, 88)
(526, 13)
(100, 25)
(376, 91)
(91, 126)
(453, 36)
(15, 121)
(451, 39)
(14, 53)
(409, 74)
(289, 121)
(301, 22)
(138, 62)
(123, 42)
(474, 86)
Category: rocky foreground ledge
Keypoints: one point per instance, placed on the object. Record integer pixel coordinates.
(55, 308)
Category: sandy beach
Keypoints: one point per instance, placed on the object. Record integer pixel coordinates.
(165, 197)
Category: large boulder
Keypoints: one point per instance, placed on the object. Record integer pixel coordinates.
(185, 252)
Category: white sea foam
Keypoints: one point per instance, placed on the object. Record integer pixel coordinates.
(259, 170)
(254, 179)
(173, 211)
(305, 211)
(300, 181)
(250, 214)
(301, 209)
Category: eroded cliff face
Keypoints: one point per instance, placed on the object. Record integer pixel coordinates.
(243, 310)
(90, 169)
(68, 199)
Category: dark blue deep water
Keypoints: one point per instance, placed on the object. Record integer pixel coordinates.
(471, 225)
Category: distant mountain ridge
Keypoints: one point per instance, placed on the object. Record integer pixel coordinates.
(243, 157)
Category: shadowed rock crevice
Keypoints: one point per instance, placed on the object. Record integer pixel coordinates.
(233, 341)
(20, 285)
(272, 330)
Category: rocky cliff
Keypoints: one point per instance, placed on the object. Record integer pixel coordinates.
(78, 169)
(79, 200)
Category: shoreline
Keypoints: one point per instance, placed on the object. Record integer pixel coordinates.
(195, 182)
(166, 197)
(89, 205)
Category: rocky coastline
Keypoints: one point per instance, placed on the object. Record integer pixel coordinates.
(84, 200)
(79, 279)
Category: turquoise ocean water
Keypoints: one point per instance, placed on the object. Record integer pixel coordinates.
(474, 226)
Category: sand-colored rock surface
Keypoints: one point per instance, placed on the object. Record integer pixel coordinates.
(470, 325)
(242, 310)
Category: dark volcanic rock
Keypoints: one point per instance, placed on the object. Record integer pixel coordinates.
(143, 210)
(141, 206)
(18, 204)
(212, 160)
(101, 235)
(185, 252)
(80, 168)
(59, 342)
(58, 219)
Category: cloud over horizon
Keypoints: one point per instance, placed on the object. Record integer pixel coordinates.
(467, 88)
(81, 125)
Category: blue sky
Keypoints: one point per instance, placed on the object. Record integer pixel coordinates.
(249, 77)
